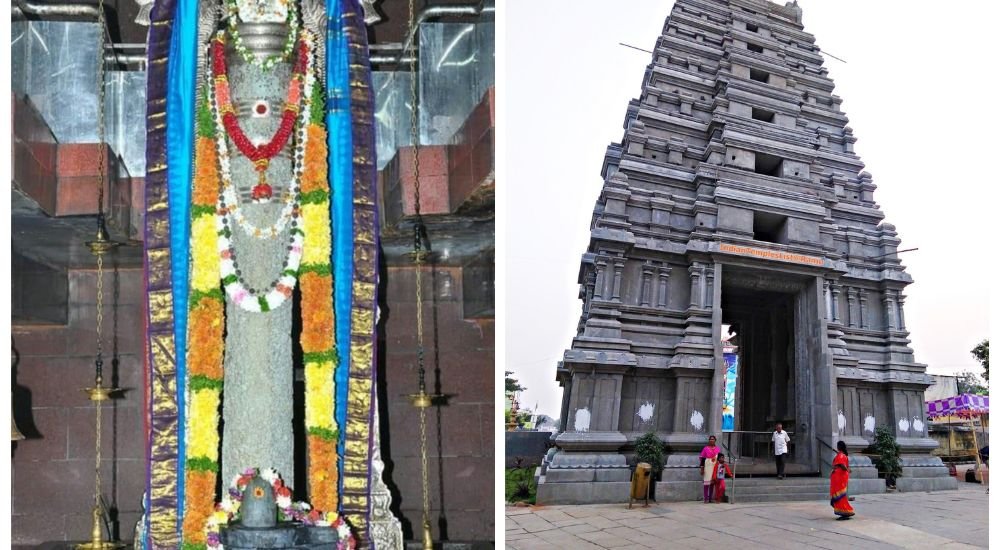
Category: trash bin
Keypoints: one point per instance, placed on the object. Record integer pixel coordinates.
(640, 483)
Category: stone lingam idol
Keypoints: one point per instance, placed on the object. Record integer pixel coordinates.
(261, 254)
(262, 498)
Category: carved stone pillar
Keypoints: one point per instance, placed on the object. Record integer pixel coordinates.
(647, 284)
(826, 299)
(599, 284)
(863, 299)
(852, 319)
(695, 272)
(835, 301)
(564, 408)
(900, 299)
(661, 294)
(675, 151)
(616, 287)
(709, 287)
(890, 315)
(588, 289)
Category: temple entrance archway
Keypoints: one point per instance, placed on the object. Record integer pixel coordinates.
(776, 318)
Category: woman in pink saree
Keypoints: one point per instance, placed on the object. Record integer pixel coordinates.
(707, 459)
(838, 483)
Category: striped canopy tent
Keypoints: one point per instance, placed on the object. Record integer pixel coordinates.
(964, 405)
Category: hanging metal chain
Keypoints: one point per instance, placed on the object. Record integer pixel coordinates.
(101, 179)
(418, 259)
(99, 247)
(414, 130)
(101, 182)
(421, 372)
(99, 377)
(99, 362)
(97, 455)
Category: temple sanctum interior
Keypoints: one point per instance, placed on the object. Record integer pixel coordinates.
(252, 273)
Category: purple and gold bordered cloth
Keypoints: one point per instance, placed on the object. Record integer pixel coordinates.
(169, 150)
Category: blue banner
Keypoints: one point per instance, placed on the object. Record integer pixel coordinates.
(729, 391)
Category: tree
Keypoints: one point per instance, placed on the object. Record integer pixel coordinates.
(968, 382)
(982, 354)
(887, 455)
(518, 419)
(649, 449)
(511, 385)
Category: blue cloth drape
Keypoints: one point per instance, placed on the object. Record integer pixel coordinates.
(341, 174)
(180, 151)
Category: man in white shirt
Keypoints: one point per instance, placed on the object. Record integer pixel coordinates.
(781, 439)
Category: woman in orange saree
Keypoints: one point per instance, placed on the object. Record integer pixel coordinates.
(838, 484)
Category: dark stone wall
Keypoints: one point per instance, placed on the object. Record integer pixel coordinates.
(525, 449)
(460, 435)
(53, 470)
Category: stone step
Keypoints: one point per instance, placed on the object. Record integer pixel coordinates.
(773, 482)
(794, 489)
(770, 489)
(743, 498)
(765, 468)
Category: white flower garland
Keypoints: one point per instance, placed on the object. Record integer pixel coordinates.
(281, 289)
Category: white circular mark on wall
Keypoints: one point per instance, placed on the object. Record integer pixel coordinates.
(918, 425)
(870, 423)
(697, 420)
(646, 411)
(581, 422)
(841, 421)
(904, 425)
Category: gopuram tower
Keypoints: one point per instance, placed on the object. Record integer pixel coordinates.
(735, 199)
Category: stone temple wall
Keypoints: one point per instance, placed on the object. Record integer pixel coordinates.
(736, 170)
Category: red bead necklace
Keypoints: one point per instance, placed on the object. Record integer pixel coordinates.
(260, 155)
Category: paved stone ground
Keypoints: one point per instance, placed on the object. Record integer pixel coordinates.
(938, 520)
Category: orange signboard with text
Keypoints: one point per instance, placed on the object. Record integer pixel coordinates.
(767, 254)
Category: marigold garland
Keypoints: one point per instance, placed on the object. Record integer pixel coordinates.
(314, 176)
(317, 339)
(206, 323)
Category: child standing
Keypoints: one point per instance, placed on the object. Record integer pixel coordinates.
(719, 477)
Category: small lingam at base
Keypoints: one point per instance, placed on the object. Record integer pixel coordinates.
(259, 526)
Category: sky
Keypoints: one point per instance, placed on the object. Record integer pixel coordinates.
(915, 87)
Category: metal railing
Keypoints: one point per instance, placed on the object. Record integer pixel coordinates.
(759, 444)
(752, 440)
(732, 459)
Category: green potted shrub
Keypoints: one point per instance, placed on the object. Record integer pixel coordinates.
(649, 449)
(887, 459)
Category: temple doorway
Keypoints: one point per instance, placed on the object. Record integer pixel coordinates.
(772, 321)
